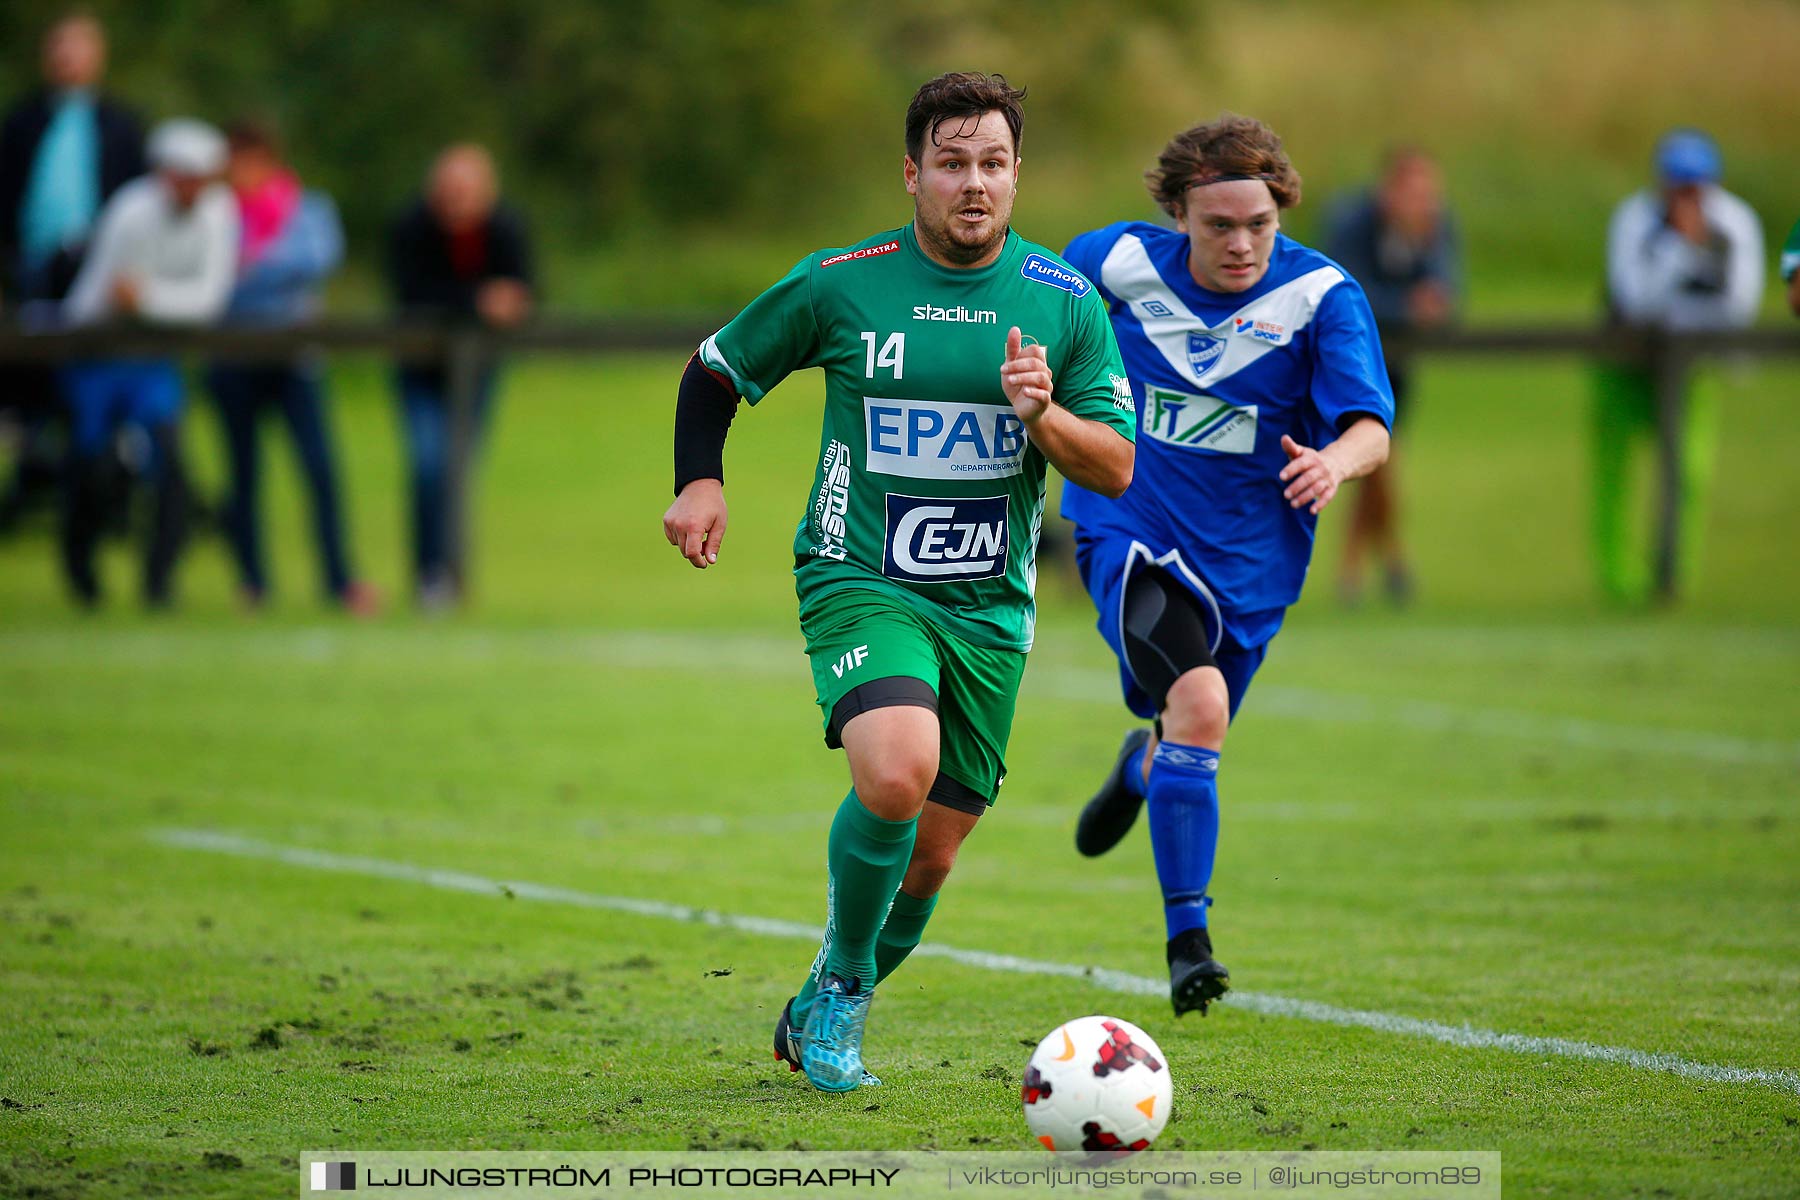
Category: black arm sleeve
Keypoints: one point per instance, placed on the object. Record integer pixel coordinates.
(703, 411)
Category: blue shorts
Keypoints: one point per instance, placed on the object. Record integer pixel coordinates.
(1107, 564)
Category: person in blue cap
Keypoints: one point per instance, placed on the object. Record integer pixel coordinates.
(1684, 256)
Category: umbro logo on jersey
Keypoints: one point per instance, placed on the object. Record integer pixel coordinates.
(932, 439)
(1045, 271)
(955, 316)
(865, 252)
(948, 539)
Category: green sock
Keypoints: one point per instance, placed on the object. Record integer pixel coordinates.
(904, 927)
(866, 857)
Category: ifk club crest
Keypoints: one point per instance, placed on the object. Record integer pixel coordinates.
(1204, 351)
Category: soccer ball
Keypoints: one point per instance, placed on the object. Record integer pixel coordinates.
(1097, 1084)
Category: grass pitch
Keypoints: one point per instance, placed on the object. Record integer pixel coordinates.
(1508, 810)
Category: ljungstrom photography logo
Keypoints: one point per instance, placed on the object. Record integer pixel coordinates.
(334, 1177)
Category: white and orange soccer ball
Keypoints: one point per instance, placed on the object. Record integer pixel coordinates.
(1097, 1084)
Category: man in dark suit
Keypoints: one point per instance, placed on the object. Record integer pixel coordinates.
(65, 148)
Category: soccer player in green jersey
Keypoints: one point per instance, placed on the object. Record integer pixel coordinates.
(960, 360)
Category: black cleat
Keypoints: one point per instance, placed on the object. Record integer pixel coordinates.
(787, 1038)
(1110, 815)
(1196, 979)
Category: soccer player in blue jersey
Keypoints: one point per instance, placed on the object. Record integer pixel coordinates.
(1260, 389)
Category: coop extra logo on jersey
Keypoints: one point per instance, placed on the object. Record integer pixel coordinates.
(865, 252)
(1056, 275)
(1262, 331)
(1199, 422)
(932, 439)
(1204, 351)
(933, 539)
(832, 503)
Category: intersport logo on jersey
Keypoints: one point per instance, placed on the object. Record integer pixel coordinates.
(932, 439)
(933, 539)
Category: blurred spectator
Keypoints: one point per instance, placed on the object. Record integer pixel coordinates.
(290, 240)
(1683, 257)
(165, 251)
(459, 255)
(1790, 268)
(64, 150)
(1399, 242)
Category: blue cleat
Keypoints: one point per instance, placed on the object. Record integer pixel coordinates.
(789, 1039)
(831, 1048)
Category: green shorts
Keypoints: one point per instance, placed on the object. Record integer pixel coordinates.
(867, 649)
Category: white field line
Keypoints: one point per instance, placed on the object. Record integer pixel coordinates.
(1465, 1036)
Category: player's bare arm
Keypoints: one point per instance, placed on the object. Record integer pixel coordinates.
(1313, 476)
(1090, 453)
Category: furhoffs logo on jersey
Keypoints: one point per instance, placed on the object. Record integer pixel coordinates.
(948, 539)
(1203, 351)
(865, 252)
(933, 439)
(832, 505)
(1055, 274)
(1262, 331)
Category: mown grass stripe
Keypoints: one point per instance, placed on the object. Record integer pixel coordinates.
(1465, 1036)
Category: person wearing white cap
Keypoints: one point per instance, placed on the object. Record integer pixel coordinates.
(165, 252)
(1683, 257)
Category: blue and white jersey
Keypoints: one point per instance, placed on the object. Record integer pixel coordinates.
(1218, 379)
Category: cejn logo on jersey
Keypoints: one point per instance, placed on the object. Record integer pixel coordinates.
(832, 505)
(1198, 422)
(932, 439)
(945, 539)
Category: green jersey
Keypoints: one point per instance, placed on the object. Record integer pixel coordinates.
(927, 485)
(1790, 254)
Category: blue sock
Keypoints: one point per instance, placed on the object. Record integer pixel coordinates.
(1184, 830)
(1134, 772)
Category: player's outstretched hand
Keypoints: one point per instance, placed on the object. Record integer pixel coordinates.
(1312, 478)
(695, 523)
(1025, 377)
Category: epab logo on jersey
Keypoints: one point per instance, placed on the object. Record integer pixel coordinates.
(1044, 270)
(945, 539)
(934, 439)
